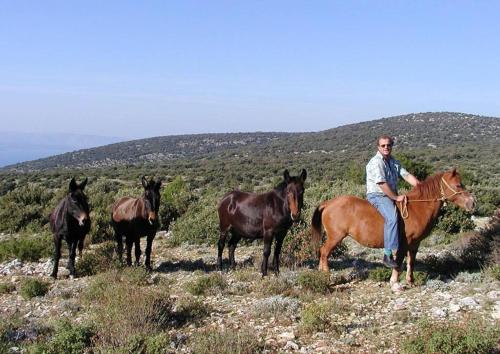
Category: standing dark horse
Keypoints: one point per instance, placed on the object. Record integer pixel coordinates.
(267, 216)
(70, 220)
(137, 217)
(349, 215)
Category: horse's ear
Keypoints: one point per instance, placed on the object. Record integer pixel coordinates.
(454, 172)
(286, 176)
(303, 175)
(84, 183)
(72, 185)
(158, 185)
(144, 182)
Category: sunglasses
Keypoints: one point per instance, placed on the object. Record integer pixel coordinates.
(386, 146)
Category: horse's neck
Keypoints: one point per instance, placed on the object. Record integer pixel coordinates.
(424, 203)
(281, 195)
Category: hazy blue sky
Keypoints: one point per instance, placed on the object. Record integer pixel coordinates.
(147, 68)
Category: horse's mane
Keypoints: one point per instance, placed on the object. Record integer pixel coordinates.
(429, 188)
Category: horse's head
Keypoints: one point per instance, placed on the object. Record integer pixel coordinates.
(78, 206)
(295, 192)
(453, 190)
(152, 198)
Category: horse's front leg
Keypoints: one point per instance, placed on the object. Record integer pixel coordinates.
(400, 255)
(137, 245)
(129, 242)
(277, 252)
(233, 242)
(412, 254)
(57, 255)
(72, 255)
(220, 248)
(149, 246)
(268, 239)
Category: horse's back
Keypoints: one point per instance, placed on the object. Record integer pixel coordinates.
(354, 216)
(126, 209)
(243, 212)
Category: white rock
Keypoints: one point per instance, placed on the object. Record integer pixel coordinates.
(291, 345)
(438, 312)
(469, 302)
(493, 294)
(287, 335)
(454, 307)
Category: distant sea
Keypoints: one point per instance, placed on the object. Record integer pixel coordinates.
(18, 147)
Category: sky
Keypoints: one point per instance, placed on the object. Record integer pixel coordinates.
(137, 69)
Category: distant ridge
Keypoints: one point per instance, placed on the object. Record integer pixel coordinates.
(431, 130)
(20, 146)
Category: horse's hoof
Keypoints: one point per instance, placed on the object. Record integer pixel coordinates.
(396, 287)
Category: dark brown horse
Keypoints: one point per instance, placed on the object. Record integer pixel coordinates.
(355, 217)
(137, 217)
(70, 221)
(267, 216)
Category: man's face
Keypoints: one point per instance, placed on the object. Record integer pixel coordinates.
(385, 147)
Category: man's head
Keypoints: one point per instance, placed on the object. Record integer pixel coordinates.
(384, 145)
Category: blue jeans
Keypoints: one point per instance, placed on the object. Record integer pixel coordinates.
(387, 208)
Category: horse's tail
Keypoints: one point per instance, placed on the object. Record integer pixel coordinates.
(316, 228)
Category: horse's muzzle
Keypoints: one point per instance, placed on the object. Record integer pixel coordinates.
(151, 218)
(81, 219)
(295, 217)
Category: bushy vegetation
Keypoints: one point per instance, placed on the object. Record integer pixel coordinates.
(315, 281)
(469, 337)
(325, 316)
(97, 260)
(226, 341)
(6, 288)
(31, 287)
(205, 283)
(122, 311)
(26, 248)
(67, 338)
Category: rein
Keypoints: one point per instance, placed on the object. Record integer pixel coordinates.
(443, 198)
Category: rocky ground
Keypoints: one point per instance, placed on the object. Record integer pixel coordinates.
(369, 316)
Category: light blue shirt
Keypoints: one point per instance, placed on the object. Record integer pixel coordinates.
(378, 170)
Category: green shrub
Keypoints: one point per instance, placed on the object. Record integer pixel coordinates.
(224, 341)
(68, 338)
(493, 271)
(121, 310)
(7, 288)
(315, 281)
(380, 274)
(175, 200)
(472, 337)
(32, 287)
(96, 260)
(199, 224)
(205, 283)
(454, 220)
(324, 316)
(27, 248)
(25, 208)
(275, 286)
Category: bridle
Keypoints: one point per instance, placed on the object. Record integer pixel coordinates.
(443, 198)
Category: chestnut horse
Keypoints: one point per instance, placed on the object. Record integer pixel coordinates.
(356, 217)
(70, 220)
(267, 216)
(137, 217)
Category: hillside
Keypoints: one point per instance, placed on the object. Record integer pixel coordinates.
(443, 132)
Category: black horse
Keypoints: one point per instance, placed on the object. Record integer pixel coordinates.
(267, 216)
(70, 220)
(137, 217)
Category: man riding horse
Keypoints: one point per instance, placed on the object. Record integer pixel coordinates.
(382, 174)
